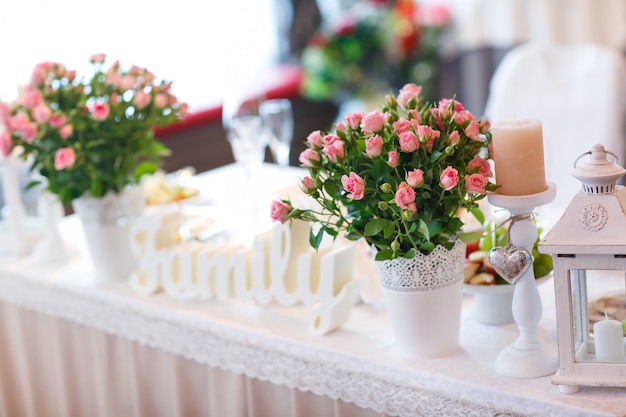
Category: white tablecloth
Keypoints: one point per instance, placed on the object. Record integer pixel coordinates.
(71, 348)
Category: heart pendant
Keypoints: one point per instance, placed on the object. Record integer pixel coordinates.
(510, 262)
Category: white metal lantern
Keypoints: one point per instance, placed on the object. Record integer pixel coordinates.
(588, 247)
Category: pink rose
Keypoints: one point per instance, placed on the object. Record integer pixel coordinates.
(415, 115)
(308, 157)
(32, 98)
(449, 178)
(454, 138)
(334, 150)
(436, 113)
(64, 158)
(473, 130)
(315, 139)
(475, 183)
(42, 113)
(427, 136)
(481, 164)
(415, 178)
(340, 127)
(100, 111)
(5, 114)
(393, 159)
(484, 126)
(354, 185)
(373, 122)
(354, 119)
(446, 105)
(330, 139)
(307, 185)
(29, 132)
(66, 131)
(160, 100)
(462, 117)
(6, 143)
(18, 121)
(40, 72)
(142, 99)
(97, 58)
(408, 141)
(405, 197)
(280, 211)
(408, 92)
(127, 82)
(400, 126)
(373, 146)
(57, 121)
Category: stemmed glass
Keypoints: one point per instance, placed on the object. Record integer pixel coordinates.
(245, 133)
(277, 117)
(248, 140)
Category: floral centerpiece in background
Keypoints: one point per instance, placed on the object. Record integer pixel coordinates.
(373, 47)
(396, 176)
(88, 137)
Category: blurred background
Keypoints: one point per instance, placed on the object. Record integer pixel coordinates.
(320, 54)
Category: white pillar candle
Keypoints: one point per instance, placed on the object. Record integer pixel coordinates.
(518, 157)
(608, 338)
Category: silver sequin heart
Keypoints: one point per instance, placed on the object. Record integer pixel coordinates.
(510, 262)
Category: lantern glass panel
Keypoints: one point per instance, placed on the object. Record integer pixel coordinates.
(596, 295)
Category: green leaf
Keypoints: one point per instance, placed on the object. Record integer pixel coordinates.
(384, 255)
(315, 239)
(470, 237)
(422, 229)
(374, 227)
(389, 229)
(145, 168)
(478, 214)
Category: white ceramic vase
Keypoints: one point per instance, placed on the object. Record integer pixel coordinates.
(423, 297)
(106, 223)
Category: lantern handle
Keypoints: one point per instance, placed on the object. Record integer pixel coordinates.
(590, 153)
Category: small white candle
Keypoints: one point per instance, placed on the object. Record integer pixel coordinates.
(609, 340)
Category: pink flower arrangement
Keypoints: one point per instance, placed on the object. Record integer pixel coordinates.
(91, 136)
(396, 176)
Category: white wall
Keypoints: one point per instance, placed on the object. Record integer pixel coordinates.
(203, 46)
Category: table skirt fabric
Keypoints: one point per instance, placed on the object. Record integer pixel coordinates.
(52, 367)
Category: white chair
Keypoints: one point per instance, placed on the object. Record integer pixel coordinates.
(578, 91)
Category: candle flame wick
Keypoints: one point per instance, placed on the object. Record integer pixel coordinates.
(606, 316)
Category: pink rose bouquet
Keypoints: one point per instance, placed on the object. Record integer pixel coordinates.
(396, 176)
(90, 136)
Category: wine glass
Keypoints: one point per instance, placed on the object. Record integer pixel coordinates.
(245, 133)
(277, 117)
(248, 140)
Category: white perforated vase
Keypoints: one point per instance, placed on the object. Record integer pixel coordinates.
(106, 223)
(423, 298)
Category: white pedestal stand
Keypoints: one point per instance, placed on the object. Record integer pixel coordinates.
(51, 248)
(21, 235)
(529, 356)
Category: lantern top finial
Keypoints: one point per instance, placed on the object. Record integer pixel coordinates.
(598, 174)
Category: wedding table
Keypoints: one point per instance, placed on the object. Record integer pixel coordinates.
(70, 347)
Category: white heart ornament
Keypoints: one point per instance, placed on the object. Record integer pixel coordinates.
(510, 262)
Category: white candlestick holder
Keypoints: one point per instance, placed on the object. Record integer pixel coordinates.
(529, 356)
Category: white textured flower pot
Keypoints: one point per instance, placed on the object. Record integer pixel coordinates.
(106, 225)
(423, 297)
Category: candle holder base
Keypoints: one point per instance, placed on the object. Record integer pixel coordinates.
(529, 356)
(517, 363)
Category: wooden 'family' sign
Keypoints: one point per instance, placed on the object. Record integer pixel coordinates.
(280, 267)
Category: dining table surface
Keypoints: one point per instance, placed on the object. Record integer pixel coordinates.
(357, 363)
